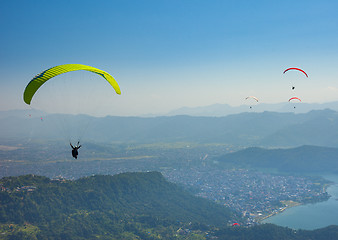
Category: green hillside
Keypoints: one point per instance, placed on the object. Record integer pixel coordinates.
(124, 206)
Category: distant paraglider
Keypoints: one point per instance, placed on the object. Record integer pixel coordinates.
(252, 97)
(295, 98)
(297, 69)
(74, 149)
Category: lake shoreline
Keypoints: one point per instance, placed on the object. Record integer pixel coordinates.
(309, 215)
(293, 204)
(290, 204)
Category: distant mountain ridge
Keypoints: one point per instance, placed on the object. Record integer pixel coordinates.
(218, 110)
(265, 129)
(304, 159)
(213, 110)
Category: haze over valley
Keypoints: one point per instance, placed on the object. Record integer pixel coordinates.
(244, 173)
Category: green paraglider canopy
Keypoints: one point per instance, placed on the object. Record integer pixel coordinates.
(43, 77)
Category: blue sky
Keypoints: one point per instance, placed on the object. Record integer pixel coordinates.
(170, 54)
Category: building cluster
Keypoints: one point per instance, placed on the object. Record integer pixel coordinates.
(252, 194)
(18, 189)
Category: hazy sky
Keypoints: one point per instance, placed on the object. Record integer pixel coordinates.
(167, 54)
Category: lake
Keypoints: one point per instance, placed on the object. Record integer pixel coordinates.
(311, 216)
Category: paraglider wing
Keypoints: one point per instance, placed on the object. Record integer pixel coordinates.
(296, 69)
(294, 98)
(43, 77)
(252, 97)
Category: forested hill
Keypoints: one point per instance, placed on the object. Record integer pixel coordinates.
(114, 206)
(304, 159)
(126, 206)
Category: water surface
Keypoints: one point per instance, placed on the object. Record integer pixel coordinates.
(311, 216)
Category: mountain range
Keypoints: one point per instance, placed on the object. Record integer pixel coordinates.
(304, 159)
(265, 129)
(220, 110)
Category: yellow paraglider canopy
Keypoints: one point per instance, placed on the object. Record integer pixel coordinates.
(43, 77)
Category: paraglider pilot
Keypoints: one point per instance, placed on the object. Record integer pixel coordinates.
(74, 151)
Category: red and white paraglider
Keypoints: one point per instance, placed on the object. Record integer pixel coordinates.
(297, 69)
(295, 99)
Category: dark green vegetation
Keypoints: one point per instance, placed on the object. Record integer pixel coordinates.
(124, 206)
(305, 159)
